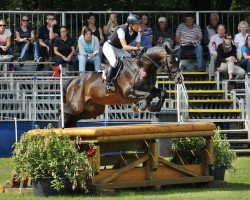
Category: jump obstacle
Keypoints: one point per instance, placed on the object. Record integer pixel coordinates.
(127, 156)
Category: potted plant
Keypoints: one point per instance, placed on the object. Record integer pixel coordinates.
(223, 155)
(53, 162)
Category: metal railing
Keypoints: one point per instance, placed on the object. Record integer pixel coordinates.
(247, 106)
(36, 96)
(75, 20)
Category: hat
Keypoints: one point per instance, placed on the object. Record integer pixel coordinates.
(162, 19)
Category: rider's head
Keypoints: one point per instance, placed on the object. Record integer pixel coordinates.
(134, 22)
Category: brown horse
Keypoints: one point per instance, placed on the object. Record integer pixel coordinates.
(85, 96)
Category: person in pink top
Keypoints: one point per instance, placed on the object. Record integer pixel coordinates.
(214, 42)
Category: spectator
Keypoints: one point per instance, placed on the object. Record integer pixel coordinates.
(110, 27)
(26, 39)
(226, 59)
(145, 40)
(248, 21)
(5, 39)
(240, 38)
(88, 45)
(189, 36)
(47, 35)
(118, 46)
(96, 31)
(163, 35)
(147, 29)
(215, 40)
(64, 48)
(245, 59)
(211, 29)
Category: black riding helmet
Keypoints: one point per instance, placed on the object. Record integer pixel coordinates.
(133, 19)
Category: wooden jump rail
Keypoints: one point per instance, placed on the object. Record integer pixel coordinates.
(127, 156)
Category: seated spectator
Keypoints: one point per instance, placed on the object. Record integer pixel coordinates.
(240, 38)
(96, 31)
(5, 39)
(147, 29)
(245, 59)
(163, 35)
(226, 59)
(47, 35)
(88, 45)
(145, 40)
(211, 29)
(26, 40)
(215, 40)
(64, 48)
(110, 27)
(189, 36)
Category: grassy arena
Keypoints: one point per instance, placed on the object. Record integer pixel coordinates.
(238, 188)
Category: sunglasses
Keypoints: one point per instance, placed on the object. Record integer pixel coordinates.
(2, 25)
(24, 20)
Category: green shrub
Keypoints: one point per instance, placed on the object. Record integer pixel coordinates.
(50, 156)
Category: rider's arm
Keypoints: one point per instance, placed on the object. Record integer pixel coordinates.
(125, 46)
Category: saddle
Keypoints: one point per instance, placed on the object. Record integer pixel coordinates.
(119, 67)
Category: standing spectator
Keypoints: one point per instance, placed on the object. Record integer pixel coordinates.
(189, 36)
(163, 35)
(96, 31)
(147, 29)
(110, 27)
(5, 39)
(47, 35)
(240, 38)
(226, 59)
(211, 29)
(245, 59)
(145, 40)
(215, 40)
(26, 39)
(88, 45)
(64, 48)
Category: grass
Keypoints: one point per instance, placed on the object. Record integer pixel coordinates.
(238, 188)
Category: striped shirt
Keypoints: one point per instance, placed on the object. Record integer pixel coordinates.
(188, 35)
(87, 47)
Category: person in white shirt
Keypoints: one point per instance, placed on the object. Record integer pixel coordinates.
(240, 38)
(214, 42)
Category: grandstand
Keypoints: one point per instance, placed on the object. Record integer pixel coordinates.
(35, 95)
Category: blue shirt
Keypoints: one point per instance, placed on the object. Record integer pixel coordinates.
(246, 50)
(145, 42)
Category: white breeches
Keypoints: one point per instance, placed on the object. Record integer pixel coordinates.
(112, 53)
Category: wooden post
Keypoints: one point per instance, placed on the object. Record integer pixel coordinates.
(209, 154)
(96, 160)
(153, 151)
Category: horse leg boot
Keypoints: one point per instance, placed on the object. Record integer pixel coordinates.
(110, 87)
(146, 102)
(161, 100)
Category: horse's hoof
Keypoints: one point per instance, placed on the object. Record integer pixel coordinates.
(134, 109)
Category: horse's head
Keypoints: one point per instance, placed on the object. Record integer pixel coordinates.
(157, 58)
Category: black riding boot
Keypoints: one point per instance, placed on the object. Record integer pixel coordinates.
(110, 87)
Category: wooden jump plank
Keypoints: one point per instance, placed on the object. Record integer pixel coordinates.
(125, 169)
(177, 167)
(166, 130)
(146, 183)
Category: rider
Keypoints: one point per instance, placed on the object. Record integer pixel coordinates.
(118, 45)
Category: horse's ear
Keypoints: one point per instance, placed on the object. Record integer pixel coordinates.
(168, 50)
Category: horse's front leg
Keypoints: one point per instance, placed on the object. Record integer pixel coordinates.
(159, 104)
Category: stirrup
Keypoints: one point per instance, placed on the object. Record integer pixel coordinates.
(110, 88)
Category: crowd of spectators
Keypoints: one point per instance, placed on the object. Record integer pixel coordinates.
(54, 44)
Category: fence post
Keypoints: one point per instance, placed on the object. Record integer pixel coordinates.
(63, 19)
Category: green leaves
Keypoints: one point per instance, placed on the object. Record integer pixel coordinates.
(51, 156)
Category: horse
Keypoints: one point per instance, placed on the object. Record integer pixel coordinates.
(85, 97)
